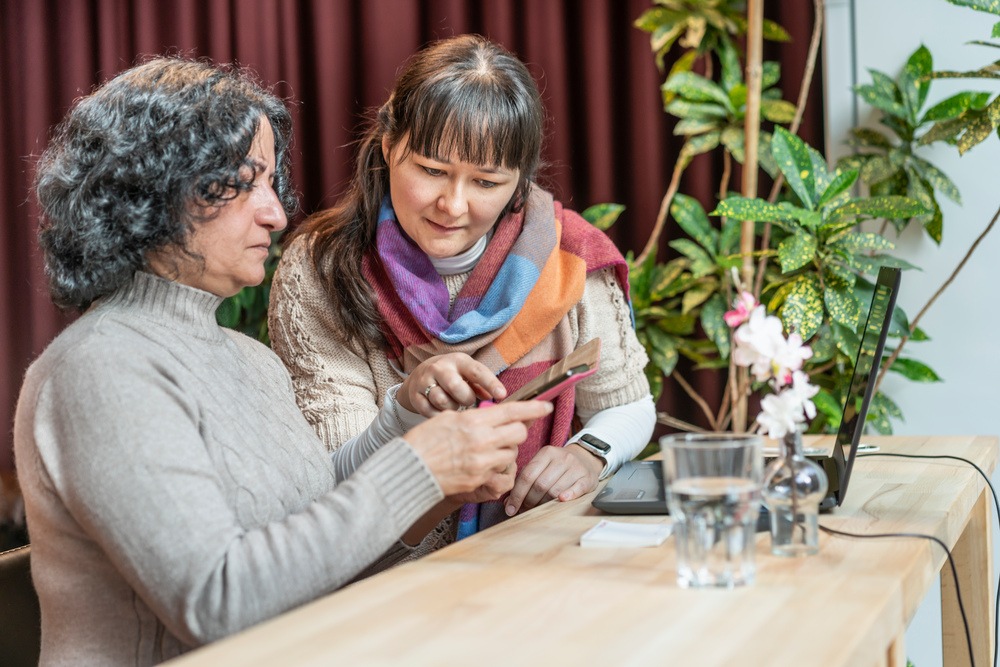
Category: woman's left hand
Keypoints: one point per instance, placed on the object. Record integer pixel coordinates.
(555, 472)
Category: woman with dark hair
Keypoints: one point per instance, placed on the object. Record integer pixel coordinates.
(174, 492)
(443, 256)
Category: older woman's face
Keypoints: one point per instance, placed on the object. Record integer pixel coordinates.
(234, 243)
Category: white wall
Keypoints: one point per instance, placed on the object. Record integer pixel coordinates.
(964, 322)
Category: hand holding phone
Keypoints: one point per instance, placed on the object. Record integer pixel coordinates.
(562, 375)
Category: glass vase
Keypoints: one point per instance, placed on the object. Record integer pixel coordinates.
(794, 486)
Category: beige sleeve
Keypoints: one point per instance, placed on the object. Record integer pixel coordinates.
(335, 386)
(604, 313)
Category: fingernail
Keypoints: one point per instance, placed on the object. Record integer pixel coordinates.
(510, 510)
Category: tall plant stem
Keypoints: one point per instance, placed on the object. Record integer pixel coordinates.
(661, 217)
(800, 108)
(930, 302)
(696, 397)
(679, 424)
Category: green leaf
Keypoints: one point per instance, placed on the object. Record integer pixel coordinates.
(677, 324)
(955, 105)
(695, 88)
(682, 64)
(991, 6)
(872, 264)
(662, 350)
(663, 276)
(802, 311)
(946, 130)
(847, 341)
(774, 32)
(877, 421)
(764, 155)
(689, 214)
(869, 138)
(892, 206)
(732, 138)
(685, 109)
(841, 303)
(856, 242)
(701, 262)
(879, 100)
(919, 189)
(982, 127)
(937, 179)
(697, 145)
(887, 405)
(796, 251)
(827, 405)
(692, 126)
(603, 216)
(794, 161)
(877, 168)
(885, 86)
(770, 73)
(732, 72)
(777, 111)
(714, 325)
(697, 295)
(729, 239)
(840, 183)
(913, 81)
(757, 210)
(914, 370)
(996, 30)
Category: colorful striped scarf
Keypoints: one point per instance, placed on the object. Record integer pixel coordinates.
(510, 314)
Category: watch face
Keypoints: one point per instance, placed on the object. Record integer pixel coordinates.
(596, 443)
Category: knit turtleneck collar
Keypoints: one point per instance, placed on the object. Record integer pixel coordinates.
(176, 306)
(464, 261)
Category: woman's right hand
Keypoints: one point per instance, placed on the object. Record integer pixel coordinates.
(466, 450)
(448, 382)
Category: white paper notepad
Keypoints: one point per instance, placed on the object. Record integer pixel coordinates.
(620, 534)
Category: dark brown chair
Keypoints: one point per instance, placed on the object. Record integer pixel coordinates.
(20, 618)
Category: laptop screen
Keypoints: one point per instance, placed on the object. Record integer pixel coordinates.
(866, 370)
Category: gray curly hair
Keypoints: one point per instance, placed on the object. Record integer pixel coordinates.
(135, 165)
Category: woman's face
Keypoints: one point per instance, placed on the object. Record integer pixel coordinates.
(445, 206)
(234, 243)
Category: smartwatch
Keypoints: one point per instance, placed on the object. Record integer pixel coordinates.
(598, 448)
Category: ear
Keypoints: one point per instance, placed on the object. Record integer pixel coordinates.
(385, 148)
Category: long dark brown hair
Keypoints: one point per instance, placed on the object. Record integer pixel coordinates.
(463, 96)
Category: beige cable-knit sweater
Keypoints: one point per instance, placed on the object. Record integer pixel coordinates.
(174, 492)
(341, 391)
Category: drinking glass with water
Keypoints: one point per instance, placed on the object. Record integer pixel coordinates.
(713, 491)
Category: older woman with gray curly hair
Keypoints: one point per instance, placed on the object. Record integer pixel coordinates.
(174, 492)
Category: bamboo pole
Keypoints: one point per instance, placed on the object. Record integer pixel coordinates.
(739, 378)
(751, 126)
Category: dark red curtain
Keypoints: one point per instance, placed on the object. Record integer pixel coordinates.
(608, 138)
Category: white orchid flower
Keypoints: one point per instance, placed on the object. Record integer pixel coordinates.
(757, 341)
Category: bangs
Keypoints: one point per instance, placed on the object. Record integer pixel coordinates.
(479, 122)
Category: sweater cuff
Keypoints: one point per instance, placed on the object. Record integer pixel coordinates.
(408, 487)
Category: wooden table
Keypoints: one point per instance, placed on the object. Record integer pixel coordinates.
(526, 593)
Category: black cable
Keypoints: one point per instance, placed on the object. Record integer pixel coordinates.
(996, 505)
(954, 572)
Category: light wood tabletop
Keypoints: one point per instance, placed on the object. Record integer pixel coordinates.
(526, 593)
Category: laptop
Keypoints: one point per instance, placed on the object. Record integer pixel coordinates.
(637, 487)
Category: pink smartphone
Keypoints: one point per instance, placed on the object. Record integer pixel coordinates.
(553, 387)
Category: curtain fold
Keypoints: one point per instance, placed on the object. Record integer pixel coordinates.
(608, 138)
